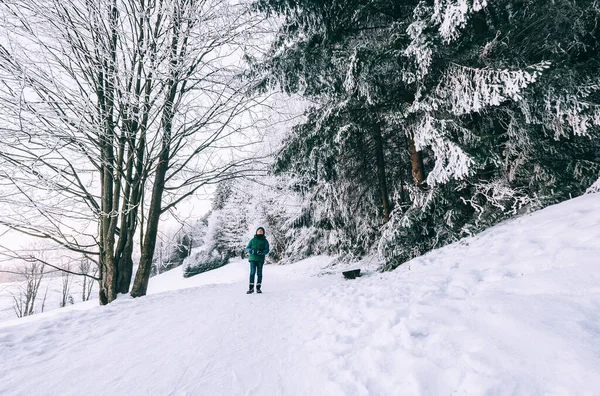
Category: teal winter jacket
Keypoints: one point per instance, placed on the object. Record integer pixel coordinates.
(258, 248)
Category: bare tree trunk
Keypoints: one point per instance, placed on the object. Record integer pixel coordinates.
(34, 285)
(135, 164)
(88, 284)
(416, 160)
(84, 288)
(111, 177)
(159, 260)
(44, 300)
(90, 287)
(142, 276)
(84, 268)
(66, 288)
(140, 285)
(381, 174)
(123, 254)
(129, 227)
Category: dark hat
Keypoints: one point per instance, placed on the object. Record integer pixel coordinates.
(260, 228)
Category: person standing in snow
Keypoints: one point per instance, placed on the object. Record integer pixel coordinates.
(257, 249)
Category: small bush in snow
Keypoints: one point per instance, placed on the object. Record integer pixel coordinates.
(202, 261)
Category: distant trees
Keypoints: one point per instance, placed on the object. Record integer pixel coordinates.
(241, 206)
(113, 112)
(432, 120)
(24, 299)
(66, 282)
(42, 276)
(87, 267)
(175, 246)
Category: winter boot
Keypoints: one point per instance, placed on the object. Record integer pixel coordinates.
(258, 289)
(251, 289)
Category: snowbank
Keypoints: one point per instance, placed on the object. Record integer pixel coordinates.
(513, 311)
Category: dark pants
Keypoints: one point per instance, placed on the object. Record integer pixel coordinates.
(256, 266)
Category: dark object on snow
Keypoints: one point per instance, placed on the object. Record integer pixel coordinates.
(351, 274)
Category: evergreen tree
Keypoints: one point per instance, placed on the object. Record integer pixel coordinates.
(234, 222)
(441, 116)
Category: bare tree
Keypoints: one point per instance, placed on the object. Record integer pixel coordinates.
(85, 267)
(163, 256)
(44, 299)
(66, 279)
(115, 111)
(24, 299)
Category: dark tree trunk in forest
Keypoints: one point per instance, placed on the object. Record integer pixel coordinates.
(140, 285)
(111, 167)
(416, 160)
(125, 265)
(381, 174)
(142, 276)
(129, 223)
(131, 206)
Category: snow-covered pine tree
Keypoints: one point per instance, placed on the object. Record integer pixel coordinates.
(503, 106)
(348, 155)
(233, 221)
(271, 202)
(485, 110)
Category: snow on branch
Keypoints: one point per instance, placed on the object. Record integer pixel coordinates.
(357, 80)
(499, 194)
(451, 162)
(420, 49)
(594, 188)
(446, 18)
(466, 89)
(571, 111)
(451, 15)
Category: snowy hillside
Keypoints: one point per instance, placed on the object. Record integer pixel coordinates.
(513, 311)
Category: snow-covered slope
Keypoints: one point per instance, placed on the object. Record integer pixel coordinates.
(513, 311)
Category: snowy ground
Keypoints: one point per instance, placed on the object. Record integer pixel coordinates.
(514, 311)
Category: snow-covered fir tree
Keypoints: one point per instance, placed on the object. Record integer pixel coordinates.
(434, 119)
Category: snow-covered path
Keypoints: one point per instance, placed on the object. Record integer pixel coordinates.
(513, 311)
(211, 340)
